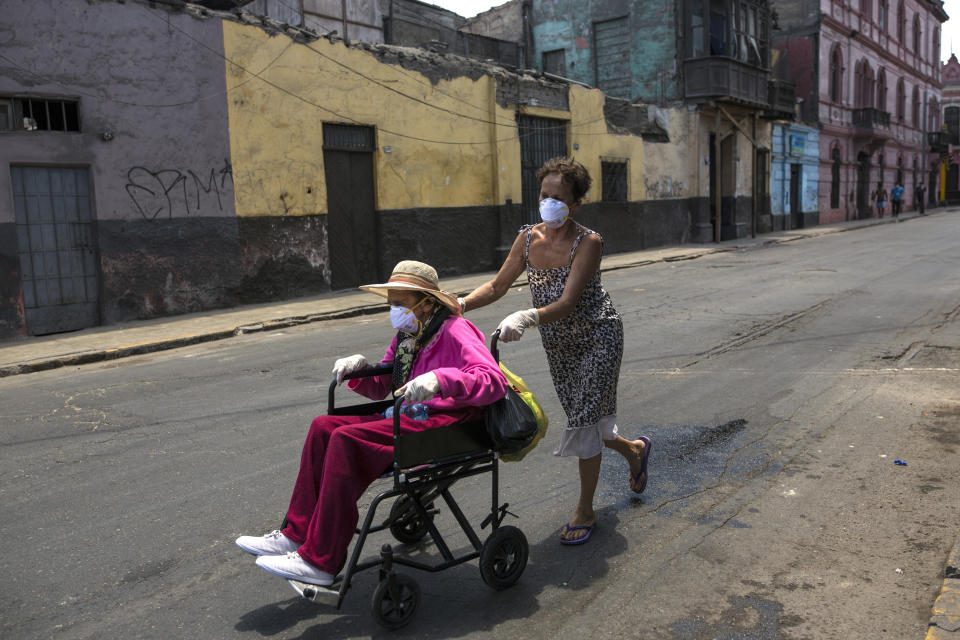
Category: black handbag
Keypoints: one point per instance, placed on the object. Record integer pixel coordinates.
(511, 424)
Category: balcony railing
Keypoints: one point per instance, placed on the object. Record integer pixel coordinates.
(719, 77)
(939, 141)
(871, 118)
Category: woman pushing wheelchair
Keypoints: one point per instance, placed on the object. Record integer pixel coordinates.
(443, 369)
(582, 332)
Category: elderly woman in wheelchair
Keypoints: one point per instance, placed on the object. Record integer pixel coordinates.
(445, 373)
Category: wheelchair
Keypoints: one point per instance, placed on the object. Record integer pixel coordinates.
(426, 465)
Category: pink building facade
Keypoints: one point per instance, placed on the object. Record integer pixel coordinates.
(950, 76)
(879, 100)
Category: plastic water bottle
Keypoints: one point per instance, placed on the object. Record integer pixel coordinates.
(416, 411)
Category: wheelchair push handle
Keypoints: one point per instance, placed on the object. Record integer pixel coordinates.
(493, 345)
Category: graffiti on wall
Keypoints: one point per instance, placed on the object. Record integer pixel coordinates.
(664, 187)
(165, 193)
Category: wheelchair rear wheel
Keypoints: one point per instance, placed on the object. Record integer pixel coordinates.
(406, 525)
(504, 557)
(395, 600)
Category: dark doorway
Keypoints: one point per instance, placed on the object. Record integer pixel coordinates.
(932, 190)
(953, 184)
(728, 185)
(540, 140)
(351, 217)
(763, 183)
(864, 209)
(713, 184)
(796, 212)
(59, 263)
(835, 180)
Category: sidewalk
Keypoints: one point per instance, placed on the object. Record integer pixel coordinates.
(28, 355)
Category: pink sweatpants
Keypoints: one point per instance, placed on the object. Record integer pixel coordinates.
(341, 457)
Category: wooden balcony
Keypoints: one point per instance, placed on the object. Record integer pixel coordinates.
(782, 98)
(719, 78)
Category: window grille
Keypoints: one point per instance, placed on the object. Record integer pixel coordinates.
(39, 114)
(614, 180)
(344, 137)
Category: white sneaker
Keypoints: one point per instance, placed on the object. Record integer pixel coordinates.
(292, 567)
(272, 544)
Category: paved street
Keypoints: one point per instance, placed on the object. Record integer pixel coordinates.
(778, 384)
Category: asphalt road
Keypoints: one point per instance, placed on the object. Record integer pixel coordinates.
(779, 385)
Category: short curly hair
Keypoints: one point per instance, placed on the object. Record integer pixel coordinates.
(572, 173)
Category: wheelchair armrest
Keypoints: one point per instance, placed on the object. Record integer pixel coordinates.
(380, 369)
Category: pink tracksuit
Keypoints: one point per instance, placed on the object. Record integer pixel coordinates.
(343, 455)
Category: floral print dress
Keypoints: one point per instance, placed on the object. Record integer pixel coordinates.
(584, 351)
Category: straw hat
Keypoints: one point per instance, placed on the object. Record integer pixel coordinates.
(411, 275)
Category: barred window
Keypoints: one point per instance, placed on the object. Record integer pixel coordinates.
(614, 179)
(39, 114)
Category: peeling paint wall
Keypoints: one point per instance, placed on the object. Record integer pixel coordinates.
(437, 143)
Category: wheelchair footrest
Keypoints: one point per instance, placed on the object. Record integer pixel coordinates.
(316, 593)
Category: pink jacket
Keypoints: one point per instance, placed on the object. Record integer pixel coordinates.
(468, 374)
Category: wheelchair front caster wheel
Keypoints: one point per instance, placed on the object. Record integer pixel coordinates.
(395, 601)
(504, 557)
(407, 526)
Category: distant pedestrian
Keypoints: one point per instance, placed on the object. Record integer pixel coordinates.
(880, 197)
(920, 197)
(897, 198)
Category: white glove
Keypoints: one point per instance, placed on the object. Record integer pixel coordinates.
(348, 365)
(511, 328)
(423, 387)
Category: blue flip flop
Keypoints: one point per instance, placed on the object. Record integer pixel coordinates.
(587, 527)
(643, 466)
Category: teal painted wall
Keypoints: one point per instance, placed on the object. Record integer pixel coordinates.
(653, 27)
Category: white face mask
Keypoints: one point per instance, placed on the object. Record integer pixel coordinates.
(554, 212)
(403, 319)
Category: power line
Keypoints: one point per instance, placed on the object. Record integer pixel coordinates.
(425, 103)
(314, 104)
(258, 75)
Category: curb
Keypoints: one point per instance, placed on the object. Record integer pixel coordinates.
(945, 616)
(953, 562)
(279, 323)
(183, 341)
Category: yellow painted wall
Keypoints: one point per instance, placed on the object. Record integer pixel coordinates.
(450, 144)
(588, 131)
(436, 158)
